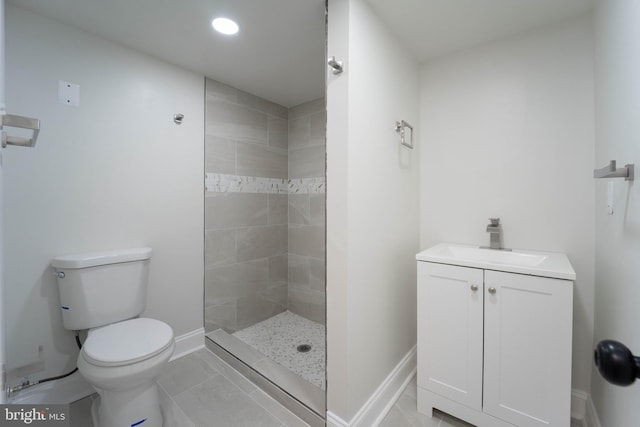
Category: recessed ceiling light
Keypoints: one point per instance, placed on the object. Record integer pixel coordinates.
(225, 26)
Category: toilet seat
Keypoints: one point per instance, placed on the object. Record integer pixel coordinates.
(127, 342)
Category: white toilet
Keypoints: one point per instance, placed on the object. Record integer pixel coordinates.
(104, 292)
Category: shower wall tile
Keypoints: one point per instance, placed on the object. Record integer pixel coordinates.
(248, 100)
(278, 269)
(222, 316)
(307, 162)
(220, 91)
(223, 183)
(227, 283)
(276, 293)
(317, 209)
(278, 209)
(254, 309)
(308, 304)
(261, 242)
(307, 240)
(278, 132)
(306, 272)
(264, 244)
(306, 296)
(220, 247)
(234, 121)
(299, 209)
(220, 155)
(240, 294)
(299, 132)
(246, 151)
(318, 126)
(317, 273)
(299, 273)
(255, 160)
(226, 210)
(307, 108)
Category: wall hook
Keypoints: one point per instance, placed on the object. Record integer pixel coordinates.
(177, 118)
(336, 65)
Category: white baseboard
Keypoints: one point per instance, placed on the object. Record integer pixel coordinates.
(188, 343)
(578, 403)
(591, 416)
(382, 400)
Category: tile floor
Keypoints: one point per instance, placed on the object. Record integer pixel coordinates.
(201, 390)
(405, 414)
(278, 338)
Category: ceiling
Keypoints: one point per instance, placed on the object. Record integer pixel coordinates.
(433, 28)
(279, 53)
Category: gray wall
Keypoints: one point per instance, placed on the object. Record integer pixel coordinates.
(263, 229)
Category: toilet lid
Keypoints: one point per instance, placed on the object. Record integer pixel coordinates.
(127, 342)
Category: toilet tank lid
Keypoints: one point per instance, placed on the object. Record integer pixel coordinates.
(92, 259)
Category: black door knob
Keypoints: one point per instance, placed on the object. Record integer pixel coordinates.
(616, 363)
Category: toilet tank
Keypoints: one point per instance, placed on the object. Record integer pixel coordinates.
(99, 288)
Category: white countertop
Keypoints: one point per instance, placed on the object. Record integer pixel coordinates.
(535, 263)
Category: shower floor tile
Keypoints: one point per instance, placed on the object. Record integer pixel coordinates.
(279, 337)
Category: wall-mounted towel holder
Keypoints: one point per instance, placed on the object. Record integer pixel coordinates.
(610, 171)
(400, 128)
(12, 120)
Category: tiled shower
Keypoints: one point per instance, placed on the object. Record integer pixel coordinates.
(264, 215)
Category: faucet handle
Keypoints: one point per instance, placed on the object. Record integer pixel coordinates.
(495, 221)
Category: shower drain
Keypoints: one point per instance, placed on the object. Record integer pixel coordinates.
(303, 348)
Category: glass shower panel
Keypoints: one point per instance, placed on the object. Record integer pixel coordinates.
(265, 237)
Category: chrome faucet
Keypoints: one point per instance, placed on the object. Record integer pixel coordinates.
(495, 232)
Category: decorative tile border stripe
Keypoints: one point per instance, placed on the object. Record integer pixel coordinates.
(222, 183)
(315, 185)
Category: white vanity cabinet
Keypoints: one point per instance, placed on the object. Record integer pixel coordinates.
(494, 347)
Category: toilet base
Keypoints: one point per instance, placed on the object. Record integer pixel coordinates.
(139, 407)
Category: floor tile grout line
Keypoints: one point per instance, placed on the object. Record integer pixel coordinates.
(176, 404)
(275, 402)
(194, 385)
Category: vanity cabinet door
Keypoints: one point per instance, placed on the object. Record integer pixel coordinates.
(527, 364)
(450, 302)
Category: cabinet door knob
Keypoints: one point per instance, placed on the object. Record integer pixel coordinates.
(474, 287)
(492, 290)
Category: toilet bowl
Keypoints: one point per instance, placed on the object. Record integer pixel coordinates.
(104, 293)
(121, 361)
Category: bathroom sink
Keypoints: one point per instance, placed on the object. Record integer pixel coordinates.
(546, 264)
(494, 256)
